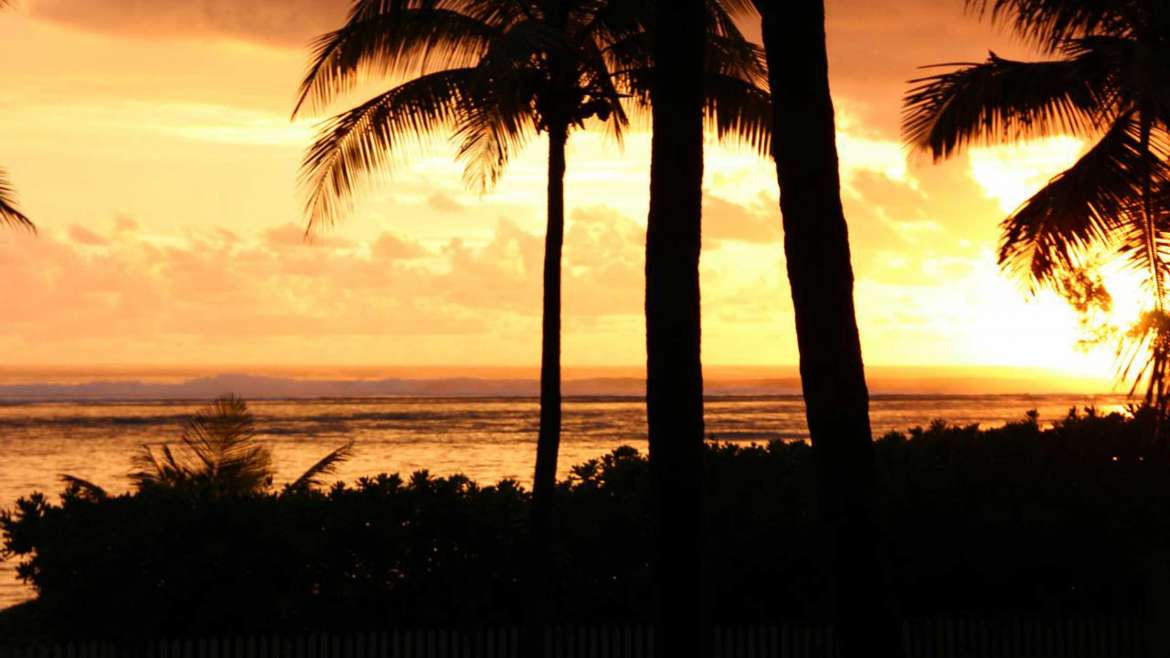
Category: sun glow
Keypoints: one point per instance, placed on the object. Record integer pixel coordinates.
(162, 176)
(1011, 174)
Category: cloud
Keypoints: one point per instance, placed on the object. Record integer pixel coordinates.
(391, 247)
(223, 291)
(82, 235)
(276, 22)
(125, 223)
(727, 221)
(290, 235)
(442, 202)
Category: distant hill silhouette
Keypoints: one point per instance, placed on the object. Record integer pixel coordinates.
(732, 382)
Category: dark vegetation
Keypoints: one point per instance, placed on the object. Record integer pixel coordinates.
(1009, 521)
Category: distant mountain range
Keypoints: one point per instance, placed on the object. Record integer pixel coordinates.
(729, 382)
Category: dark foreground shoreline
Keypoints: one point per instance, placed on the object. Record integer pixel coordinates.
(1014, 521)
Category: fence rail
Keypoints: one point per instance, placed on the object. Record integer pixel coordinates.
(923, 638)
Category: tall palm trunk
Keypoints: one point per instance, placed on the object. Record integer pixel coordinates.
(816, 245)
(549, 435)
(674, 387)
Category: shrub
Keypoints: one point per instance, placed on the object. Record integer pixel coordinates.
(1012, 520)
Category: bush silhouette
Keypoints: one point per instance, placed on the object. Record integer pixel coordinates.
(1013, 520)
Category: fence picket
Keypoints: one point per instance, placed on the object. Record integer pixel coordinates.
(1104, 637)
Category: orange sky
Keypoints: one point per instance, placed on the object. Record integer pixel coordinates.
(150, 141)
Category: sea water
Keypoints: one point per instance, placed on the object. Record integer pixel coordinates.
(484, 438)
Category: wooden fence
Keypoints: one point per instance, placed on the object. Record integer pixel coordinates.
(933, 638)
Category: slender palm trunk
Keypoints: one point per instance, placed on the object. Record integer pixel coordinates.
(549, 435)
(816, 244)
(674, 387)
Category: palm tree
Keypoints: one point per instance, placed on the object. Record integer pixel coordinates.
(495, 73)
(9, 213)
(705, 69)
(816, 245)
(218, 453)
(674, 373)
(1107, 82)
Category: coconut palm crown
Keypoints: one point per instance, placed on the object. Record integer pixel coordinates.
(493, 74)
(1107, 80)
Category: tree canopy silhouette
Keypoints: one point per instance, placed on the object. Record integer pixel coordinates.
(1109, 82)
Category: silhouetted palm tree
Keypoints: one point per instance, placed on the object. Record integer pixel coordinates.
(674, 372)
(9, 213)
(495, 73)
(217, 453)
(704, 69)
(816, 244)
(1110, 83)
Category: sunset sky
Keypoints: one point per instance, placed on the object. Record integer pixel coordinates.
(150, 140)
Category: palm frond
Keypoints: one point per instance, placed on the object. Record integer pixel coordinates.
(358, 141)
(217, 450)
(1144, 358)
(84, 487)
(393, 43)
(498, 115)
(326, 466)
(492, 129)
(737, 57)
(222, 439)
(606, 22)
(1049, 23)
(9, 212)
(727, 51)
(602, 88)
(1145, 242)
(502, 13)
(1005, 100)
(722, 15)
(1091, 203)
(147, 470)
(740, 112)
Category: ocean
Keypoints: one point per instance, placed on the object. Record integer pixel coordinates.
(484, 438)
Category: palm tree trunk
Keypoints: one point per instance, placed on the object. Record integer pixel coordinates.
(549, 435)
(674, 386)
(816, 244)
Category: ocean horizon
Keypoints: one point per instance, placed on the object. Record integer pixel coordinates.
(271, 383)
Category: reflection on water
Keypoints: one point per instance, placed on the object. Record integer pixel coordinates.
(486, 439)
